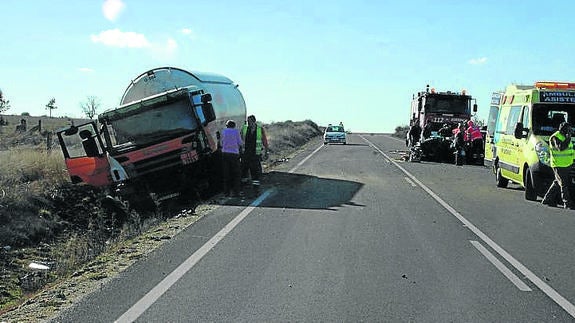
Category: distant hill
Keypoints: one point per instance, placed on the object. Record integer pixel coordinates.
(37, 131)
(48, 124)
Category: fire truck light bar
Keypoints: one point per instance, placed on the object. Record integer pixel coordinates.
(554, 85)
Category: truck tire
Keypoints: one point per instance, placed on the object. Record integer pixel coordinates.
(530, 193)
(501, 181)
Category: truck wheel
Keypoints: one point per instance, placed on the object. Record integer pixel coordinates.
(530, 193)
(501, 181)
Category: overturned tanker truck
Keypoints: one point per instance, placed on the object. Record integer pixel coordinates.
(161, 142)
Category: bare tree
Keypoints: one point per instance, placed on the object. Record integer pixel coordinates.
(51, 106)
(4, 104)
(90, 106)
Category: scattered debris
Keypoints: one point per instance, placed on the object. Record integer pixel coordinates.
(35, 265)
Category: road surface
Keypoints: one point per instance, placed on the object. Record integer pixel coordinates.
(349, 233)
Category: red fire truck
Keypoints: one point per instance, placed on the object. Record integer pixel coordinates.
(433, 110)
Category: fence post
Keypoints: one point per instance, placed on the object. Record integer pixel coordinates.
(49, 141)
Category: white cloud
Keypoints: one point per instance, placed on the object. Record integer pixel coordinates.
(85, 70)
(117, 38)
(478, 61)
(188, 32)
(112, 9)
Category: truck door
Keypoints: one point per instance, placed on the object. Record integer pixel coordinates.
(84, 155)
(521, 144)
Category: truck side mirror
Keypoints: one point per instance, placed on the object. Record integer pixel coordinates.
(475, 107)
(519, 131)
(71, 131)
(208, 110)
(206, 98)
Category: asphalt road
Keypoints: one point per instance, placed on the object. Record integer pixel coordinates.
(349, 233)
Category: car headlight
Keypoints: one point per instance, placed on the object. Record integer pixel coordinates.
(542, 151)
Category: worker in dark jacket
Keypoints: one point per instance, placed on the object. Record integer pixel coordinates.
(561, 158)
(414, 133)
(256, 147)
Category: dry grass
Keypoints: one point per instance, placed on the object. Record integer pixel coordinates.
(284, 137)
(45, 218)
(30, 172)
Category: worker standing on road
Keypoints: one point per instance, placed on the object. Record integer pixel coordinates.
(475, 140)
(561, 159)
(231, 147)
(414, 133)
(459, 139)
(256, 146)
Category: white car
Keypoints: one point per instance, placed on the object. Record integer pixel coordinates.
(334, 134)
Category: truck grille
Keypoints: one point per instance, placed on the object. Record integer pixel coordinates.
(157, 163)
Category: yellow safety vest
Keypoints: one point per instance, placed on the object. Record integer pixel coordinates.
(561, 158)
(259, 142)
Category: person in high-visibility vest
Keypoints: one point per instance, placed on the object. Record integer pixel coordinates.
(255, 146)
(561, 158)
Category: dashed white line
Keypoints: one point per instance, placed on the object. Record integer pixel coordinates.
(501, 267)
(544, 287)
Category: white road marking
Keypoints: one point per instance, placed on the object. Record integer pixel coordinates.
(548, 290)
(305, 159)
(501, 267)
(155, 293)
(410, 182)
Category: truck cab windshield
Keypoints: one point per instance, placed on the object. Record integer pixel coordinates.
(548, 117)
(447, 104)
(161, 123)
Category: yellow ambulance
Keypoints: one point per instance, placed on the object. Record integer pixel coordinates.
(519, 146)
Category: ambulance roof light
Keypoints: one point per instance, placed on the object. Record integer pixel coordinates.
(554, 85)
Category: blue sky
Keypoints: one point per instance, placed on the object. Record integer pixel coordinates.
(326, 60)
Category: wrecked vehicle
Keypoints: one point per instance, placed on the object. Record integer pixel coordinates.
(434, 110)
(161, 142)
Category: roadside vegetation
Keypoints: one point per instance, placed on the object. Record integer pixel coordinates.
(47, 221)
(401, 131)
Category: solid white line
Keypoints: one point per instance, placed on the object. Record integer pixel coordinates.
(305, 159)
(548, 290)
(501, 267)
(410, 182)
(153, 295)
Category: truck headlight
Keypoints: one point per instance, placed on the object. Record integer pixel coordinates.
(542, 152)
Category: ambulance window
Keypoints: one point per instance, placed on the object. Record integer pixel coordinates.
(492, 120)
(514, 114)
(525, 119)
